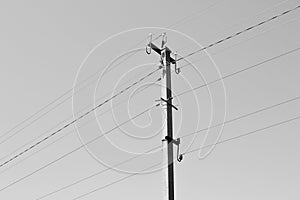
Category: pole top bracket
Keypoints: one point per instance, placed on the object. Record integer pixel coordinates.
(159, 51)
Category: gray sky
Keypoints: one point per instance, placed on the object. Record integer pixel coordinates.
(43, 44)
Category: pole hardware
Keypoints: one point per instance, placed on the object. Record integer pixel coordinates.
(163, 100)
(177, 143)
(167, 102)
(177, 70)
(148, 47)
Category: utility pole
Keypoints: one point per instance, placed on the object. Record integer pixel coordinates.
(168, 141)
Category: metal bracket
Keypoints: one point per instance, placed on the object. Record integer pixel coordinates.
(164, 40)
(177, 143)
(148, 47)
(159, 51)
(168, 103)
(171, 140)
(177, 70)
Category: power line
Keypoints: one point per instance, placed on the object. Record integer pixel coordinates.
(265, 10)
(115, 182)
(250, 38)
(68, 91)
(191, 16)
(95, 174)
(184, 136)
(257, 35)
(206, 146)
(245, 19)
(246, 68)
(60, 103)
(35, 113)
(245, 134)
(182, 58)
(63, 121)
(101, 114)
(132, 175)
(181, 21)
(75, 120)
(237, 72)
(78, 148)
(244, 116)
(240, 32)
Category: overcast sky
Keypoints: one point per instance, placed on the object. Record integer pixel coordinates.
(48, 47)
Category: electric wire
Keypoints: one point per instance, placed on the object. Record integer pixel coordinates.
(257, 64)
(189, 17)
(240, 32)
(72, 131)
(194, 150)
(91, 76)
(265, 10)
(96, 174)
(252, 27)
(68, 91)
(181, 137)
(63, 101)
(59, 124)
(115, 182)
(78, 118)
(286, 53)
(245, 134)
(34, 114)
(242, 117)
(77, 148)
(245, 19)
(232, 119)
(237, 72)
(104, 95)
(257, 35)
(276, 26)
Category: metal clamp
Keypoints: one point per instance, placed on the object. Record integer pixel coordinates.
(177, 70)
(163, 100)
(168, 103)
(148, 47)
(177, 143)
(164, 40)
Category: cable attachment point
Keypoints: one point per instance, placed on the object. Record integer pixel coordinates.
(148, 47)
(164, 40)
(167, 102)
(177, 143)
(177, 70)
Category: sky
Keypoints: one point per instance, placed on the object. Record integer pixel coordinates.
(49, 48)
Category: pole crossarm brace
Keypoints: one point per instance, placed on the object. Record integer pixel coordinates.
(158, 50)
(168, 103)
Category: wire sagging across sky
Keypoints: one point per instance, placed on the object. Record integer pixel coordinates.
(240, 32)
(75, 120)
(216, 125)
(233, 74)
(184, 136)
(80, 147)
(195, 150)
